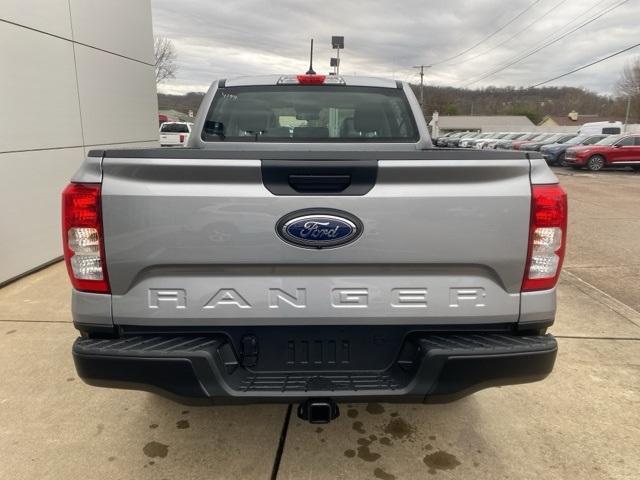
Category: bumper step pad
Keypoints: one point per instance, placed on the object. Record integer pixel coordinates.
(439, 368)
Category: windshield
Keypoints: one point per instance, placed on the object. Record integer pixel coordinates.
(594, 139)
(609, 140)
(529, 136)
(323, 113)
(540, 137)
(174, 128)
(576, 140)
(552, 138)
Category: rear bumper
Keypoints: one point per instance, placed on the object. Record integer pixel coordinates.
(206, 369)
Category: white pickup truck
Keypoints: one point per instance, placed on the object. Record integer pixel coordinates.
(312, 246)
(175, 134)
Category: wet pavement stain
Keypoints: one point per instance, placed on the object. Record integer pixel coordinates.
(382, 475)
(364, 441)
(386, 441)
(367, 455)
(398, 428)
(432, 437)
(359, 427)
(99, 429)
(373, 438)
(185, 412)
(156, 449)
(11, 331)
(375, 409)
(319, 430)
(111, 459)
(394, 414)
(352, 413)
(428, 446)
(349, 453)
(182, 424)
(153, 426)
(70, 379)
(322, 440)
(440, 460)
(152, 462)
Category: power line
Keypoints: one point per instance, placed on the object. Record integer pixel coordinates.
(489, 36)
(518, 33)
(547, 44)
(587, 65)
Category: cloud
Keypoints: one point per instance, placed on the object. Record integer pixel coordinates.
(248, 37)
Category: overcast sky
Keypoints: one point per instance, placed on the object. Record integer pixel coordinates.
(385, 38)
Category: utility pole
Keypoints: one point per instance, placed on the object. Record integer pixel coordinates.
(422, 67)
(626, 117)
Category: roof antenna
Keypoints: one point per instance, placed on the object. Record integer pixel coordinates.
(311, 71)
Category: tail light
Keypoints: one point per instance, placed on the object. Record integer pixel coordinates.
(182, 138)
(547, 237)
(82, 237)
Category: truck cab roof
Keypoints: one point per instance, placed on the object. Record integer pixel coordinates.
(349, 80)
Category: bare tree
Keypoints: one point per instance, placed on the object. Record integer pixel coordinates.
(628, 85)
(165, 59)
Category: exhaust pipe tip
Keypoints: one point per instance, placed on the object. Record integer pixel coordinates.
(318, 410)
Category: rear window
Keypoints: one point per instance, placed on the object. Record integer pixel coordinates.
(323, 113)
(174, 128)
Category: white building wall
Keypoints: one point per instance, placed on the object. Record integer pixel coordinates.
(76, 75)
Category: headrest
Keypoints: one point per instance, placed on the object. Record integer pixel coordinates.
(253, 117)
(277, 132)
(311, 132)
(366, 118)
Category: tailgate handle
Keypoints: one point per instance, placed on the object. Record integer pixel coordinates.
(319, 183)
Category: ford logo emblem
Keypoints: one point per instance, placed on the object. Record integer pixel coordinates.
(319, 228)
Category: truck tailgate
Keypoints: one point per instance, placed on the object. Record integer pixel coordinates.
(191, 240)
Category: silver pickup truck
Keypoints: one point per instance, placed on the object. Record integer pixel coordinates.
(311, 246)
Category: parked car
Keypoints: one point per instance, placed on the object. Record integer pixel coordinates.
(441, 140)
(511, 136)
(613, 151)
(505, 144)
(554, 153)
(455, 142)
(521, 144)
(328, 265)
(482, 143)
(174, 134)
(469, 142)
(534, 146)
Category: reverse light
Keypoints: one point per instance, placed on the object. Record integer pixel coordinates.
(82, 237)
(547, 237)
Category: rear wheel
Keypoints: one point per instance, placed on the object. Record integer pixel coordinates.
(595, 163)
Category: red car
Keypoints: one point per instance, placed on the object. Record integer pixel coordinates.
(616, 150)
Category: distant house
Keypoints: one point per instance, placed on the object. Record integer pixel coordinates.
(484, 123)
(573, 119)
(173, 116)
